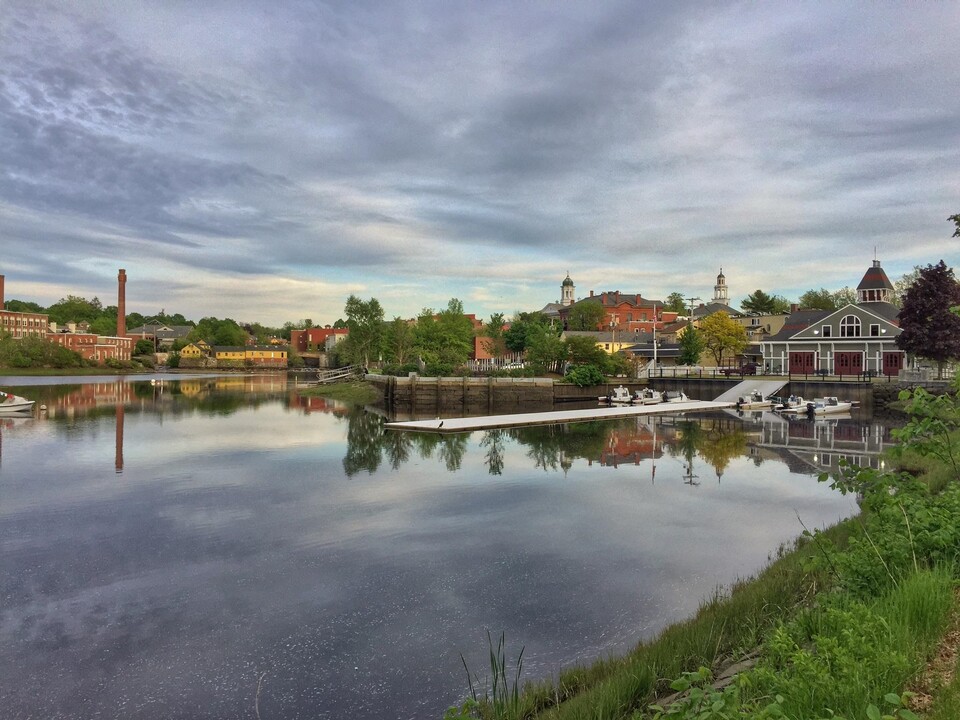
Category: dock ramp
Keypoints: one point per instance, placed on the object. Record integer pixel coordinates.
(766, 387)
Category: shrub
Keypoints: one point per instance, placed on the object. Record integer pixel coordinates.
(585, 375)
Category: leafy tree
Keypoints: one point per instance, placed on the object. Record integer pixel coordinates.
(928, 328)
(494, 341)
(143, 347)
(74, 309)
(761, 303)
(845, 296)
(443, 340)
(546, 352)
(676, 303)
(821, 299)
(955, 219)
(585, 315)
(340, 323)
(691, 346)
(901, 286)
(524, 326)
(722, 335)
(585, 375)
(365, 339)
(214, 331)
(398, 342)
(585, 351)
(23, 306)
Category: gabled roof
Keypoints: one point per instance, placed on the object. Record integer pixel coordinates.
(613, 299)
(875, 279)
(799, 321)
(711, 308)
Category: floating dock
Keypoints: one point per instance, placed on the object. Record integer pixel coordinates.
(552, 417)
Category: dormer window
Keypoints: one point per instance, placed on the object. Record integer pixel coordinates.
(850, 326)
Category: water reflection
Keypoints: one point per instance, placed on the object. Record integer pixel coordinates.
(254, 533)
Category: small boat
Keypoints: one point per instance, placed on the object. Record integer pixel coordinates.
(828, 405)
(619, 396)
(647, 396)
(793, 404)
(10, 403)
(754, 400)
(677, 397)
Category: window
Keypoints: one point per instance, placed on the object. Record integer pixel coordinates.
(874, 331)
(850, 326)
(826, 331)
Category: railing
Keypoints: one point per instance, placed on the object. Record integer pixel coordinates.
(717, 373)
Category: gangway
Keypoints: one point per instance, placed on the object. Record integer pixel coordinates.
(336, 375)
(764, 387)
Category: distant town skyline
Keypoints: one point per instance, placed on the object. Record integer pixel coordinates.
(263, 161)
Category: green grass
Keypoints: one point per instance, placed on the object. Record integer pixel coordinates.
(358, 393)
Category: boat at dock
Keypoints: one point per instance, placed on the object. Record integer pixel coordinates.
(619, 396)
(647, 396)
(754, 400)
(14, 404)
(828, 405)
(792, 404)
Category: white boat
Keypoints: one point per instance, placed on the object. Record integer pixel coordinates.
(793, 404)
(10, 403)
(647, 396)
(828, 405)
(678, 397)
(754, 400)
(619, 396)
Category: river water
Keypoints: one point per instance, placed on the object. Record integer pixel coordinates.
(217, 547)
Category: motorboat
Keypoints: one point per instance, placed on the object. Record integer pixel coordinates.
(676, 397)
(828, 405)
(619, 396)
(647, 396)
(792, 404)
(10, 404)
(754, 400)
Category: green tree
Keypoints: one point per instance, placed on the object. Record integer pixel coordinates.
(494, 341)
(365, 339)
(143, 347)
(524, 326)
(214, 331)
(760, 303)
(955, 219)
(845, 296)
(585, 351)
(691, 346)
(901, 286)
(928, 327)
(398, 343)
(676, 303)
(723, 336)
(546, 352)
(586, 315)
(23, 306)
(443, 340)
(74, 309)
(821, 299)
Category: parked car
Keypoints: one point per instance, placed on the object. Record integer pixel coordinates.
(745, 369)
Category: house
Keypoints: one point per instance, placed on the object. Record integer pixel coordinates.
(249, 356)
(317, 339)
(164, 336)
(624, 312)
(857, 338)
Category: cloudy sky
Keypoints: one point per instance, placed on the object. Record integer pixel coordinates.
(263, 160)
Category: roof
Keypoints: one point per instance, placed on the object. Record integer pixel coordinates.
(888, 311)
(614, 298)
(711, 308)
(610, 336)
(875, 279)
(798, 321)
(666, 350)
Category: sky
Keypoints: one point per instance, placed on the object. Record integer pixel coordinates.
(264, 160)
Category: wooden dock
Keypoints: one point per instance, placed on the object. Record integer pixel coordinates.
(552, 417)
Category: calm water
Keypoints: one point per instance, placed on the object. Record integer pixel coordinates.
(168, 549)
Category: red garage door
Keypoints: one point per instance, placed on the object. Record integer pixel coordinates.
(848, 363)
(892, 363)
(802, 362)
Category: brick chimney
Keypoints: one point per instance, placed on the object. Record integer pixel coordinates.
(122, 303)
(794, 308)
(1, 292)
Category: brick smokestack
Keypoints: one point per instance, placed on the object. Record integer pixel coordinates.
(122, 303)
(1, 292)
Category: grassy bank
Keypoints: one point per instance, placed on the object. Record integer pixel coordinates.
(838, 627)
(358, 393)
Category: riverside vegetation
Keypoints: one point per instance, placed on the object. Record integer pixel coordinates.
(841, 626)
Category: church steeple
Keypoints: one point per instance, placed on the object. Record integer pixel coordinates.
(720, 292)
(566, 291)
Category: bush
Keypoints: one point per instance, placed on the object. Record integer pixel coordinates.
(585, 375)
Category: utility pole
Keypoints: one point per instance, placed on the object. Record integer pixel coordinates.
(691, 300)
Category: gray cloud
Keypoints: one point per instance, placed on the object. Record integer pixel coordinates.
(368, 142)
